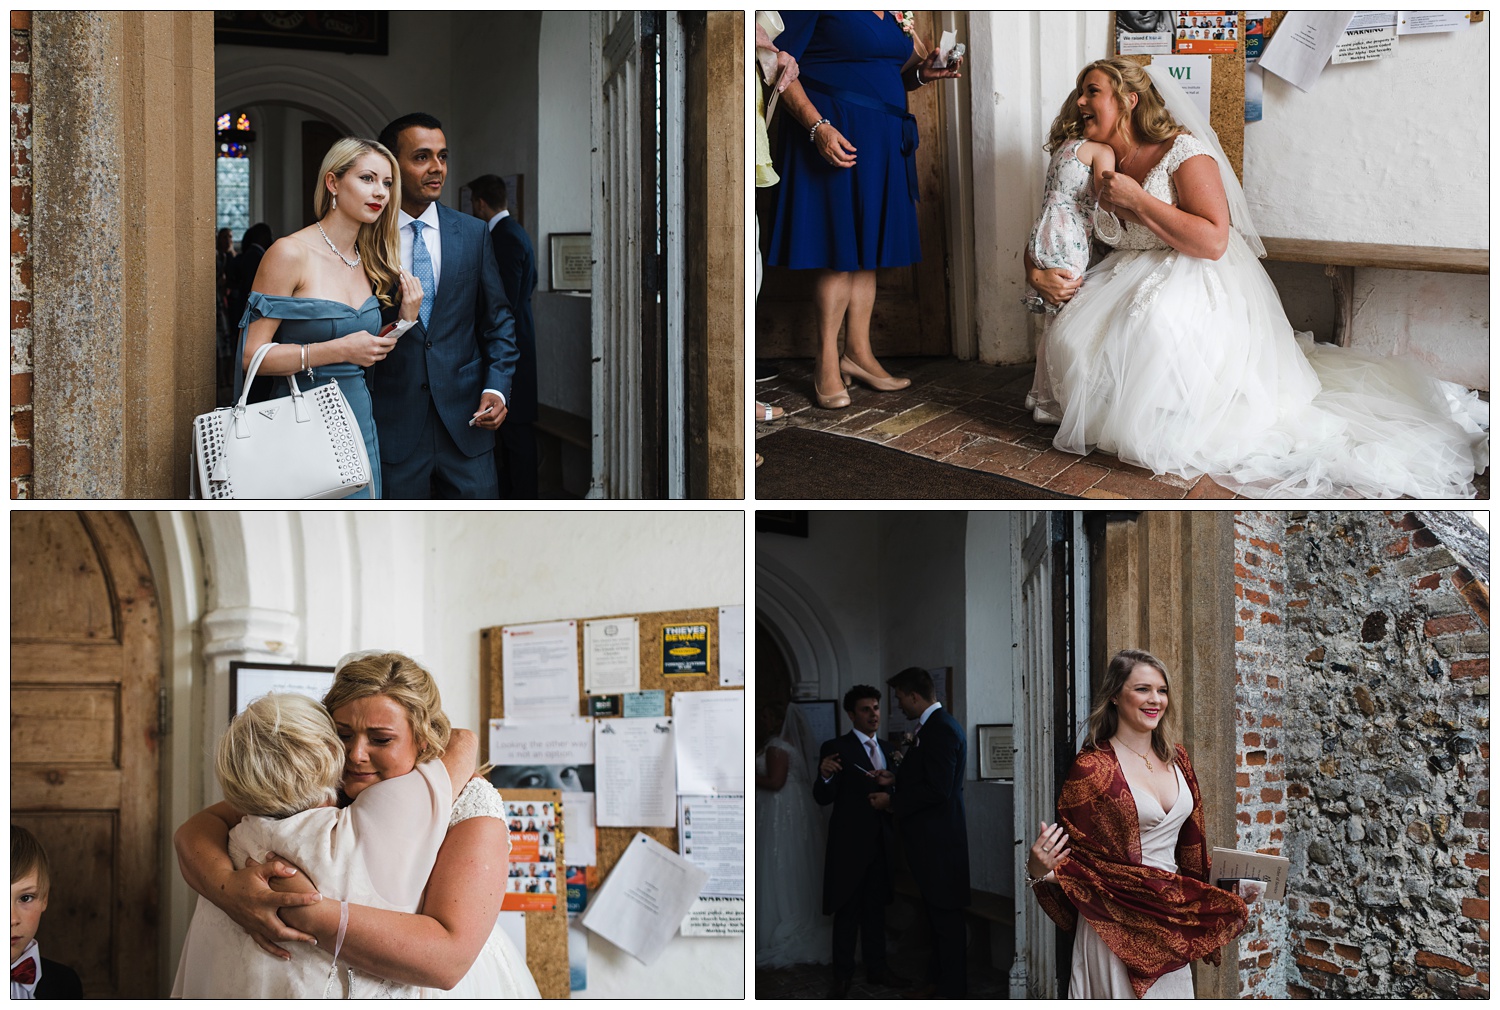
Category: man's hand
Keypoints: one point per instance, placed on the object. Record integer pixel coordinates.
(884, 777)
(880, 801)
(491, 412)
(829, 766)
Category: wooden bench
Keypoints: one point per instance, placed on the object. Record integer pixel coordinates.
(1340, 258)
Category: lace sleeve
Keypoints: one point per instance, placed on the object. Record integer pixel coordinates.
(1184, 147)
(480, 799)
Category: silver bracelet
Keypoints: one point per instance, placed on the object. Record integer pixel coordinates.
(812, 134)
(917, 73)
(306, 362)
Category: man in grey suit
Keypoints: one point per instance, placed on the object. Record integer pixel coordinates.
(441, 394)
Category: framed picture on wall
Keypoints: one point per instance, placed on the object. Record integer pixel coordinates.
(572, 261)
(997, 752)
(822, 718)
(248, 681)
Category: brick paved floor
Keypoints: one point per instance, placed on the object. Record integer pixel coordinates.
(971, 415)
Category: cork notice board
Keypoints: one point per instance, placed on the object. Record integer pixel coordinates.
(546, 958)
(1226, 108)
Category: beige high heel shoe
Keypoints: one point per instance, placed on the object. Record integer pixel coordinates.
(832, 401)
(848, 369)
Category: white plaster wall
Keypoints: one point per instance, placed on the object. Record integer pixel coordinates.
(1382, 152)
(989, 656)
(563, 148)
(494, 124)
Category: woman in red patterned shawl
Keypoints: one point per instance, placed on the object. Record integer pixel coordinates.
(1126, 865)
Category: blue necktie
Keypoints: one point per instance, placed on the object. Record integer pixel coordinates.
(421, 266)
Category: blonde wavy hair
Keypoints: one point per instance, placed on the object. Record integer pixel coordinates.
(401, 679)
(1149, 123)
(379, 244)
(279, 757)
(1105, 718)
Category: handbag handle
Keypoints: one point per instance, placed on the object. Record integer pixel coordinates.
(299, 408)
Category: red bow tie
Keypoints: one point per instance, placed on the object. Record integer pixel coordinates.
(25, 972)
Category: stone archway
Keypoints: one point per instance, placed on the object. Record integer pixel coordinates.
(804, 629)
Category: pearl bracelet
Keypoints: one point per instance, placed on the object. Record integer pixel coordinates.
(812, 134)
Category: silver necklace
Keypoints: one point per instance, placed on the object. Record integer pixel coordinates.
(351, 264)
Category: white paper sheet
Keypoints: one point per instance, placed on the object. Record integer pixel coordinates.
(715, 917)
(579, 847)
(711, 835)
(550, 754)
(641, 904)
(1304, 40)
(540, 670)
(611, 656)
(1194, 74)
(732, 646)
(637, 775)
(514, 924)
(709, 736)
(1421, 22)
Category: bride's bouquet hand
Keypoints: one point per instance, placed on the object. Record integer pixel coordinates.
(411, 297)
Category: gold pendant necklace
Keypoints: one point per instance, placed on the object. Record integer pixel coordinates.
(1137, 753)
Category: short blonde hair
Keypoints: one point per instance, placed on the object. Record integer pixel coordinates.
(26, 855)
(401, 679)
(279, 757)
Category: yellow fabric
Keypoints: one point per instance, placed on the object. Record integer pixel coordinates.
(765, 172)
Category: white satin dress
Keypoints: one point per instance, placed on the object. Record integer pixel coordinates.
(1189, 366)
(1097, 972)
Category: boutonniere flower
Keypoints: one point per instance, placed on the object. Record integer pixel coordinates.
(907, 21)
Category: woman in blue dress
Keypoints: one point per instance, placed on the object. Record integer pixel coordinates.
(847, 202)
(319, 291)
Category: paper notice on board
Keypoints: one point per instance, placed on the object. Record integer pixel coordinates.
(709, 736)
(1421, 22)
(541, 670)
(642, 902)
(1371, 35)
(711, 835)
(1194, 74)
(550, 754)
(579, 847)
(715, 917)
(611, 656)
(732, 646)
(1303, 42)
(637, 774)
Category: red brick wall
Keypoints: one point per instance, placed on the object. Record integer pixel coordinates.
(20, 254)
(1261, 600)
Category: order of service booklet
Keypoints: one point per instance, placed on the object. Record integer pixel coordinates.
(1252, 866)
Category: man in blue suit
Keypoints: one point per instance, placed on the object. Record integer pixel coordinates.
(441, 394)
(928, 804)
(515, 449)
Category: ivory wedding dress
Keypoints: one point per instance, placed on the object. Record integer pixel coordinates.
(790, 927)
(1189, 366)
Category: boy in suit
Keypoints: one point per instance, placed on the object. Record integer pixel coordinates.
(31, 975)
(857, 868)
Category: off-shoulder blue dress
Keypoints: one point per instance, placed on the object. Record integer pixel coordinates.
(855, 218)
(311, 321)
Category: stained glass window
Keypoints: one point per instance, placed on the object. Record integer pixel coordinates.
(233, 137)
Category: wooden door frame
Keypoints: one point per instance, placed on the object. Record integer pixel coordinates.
(137, 620)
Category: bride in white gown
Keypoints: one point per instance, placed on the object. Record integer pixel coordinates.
(1175, 353)
(790, 927)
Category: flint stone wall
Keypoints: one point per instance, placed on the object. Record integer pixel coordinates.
(1374, 698)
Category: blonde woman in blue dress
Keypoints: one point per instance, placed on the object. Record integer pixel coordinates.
(319, 292)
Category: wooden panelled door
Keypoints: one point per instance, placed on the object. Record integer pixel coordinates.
(84, 739)
(911, 303)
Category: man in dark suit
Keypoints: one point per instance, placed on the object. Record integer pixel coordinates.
(857, 868)
(928, 804)
(441, 393)
(515, 448)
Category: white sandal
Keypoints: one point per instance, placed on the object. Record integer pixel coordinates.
(766, 412)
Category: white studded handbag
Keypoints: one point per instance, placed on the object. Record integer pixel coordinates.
(306, 445)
